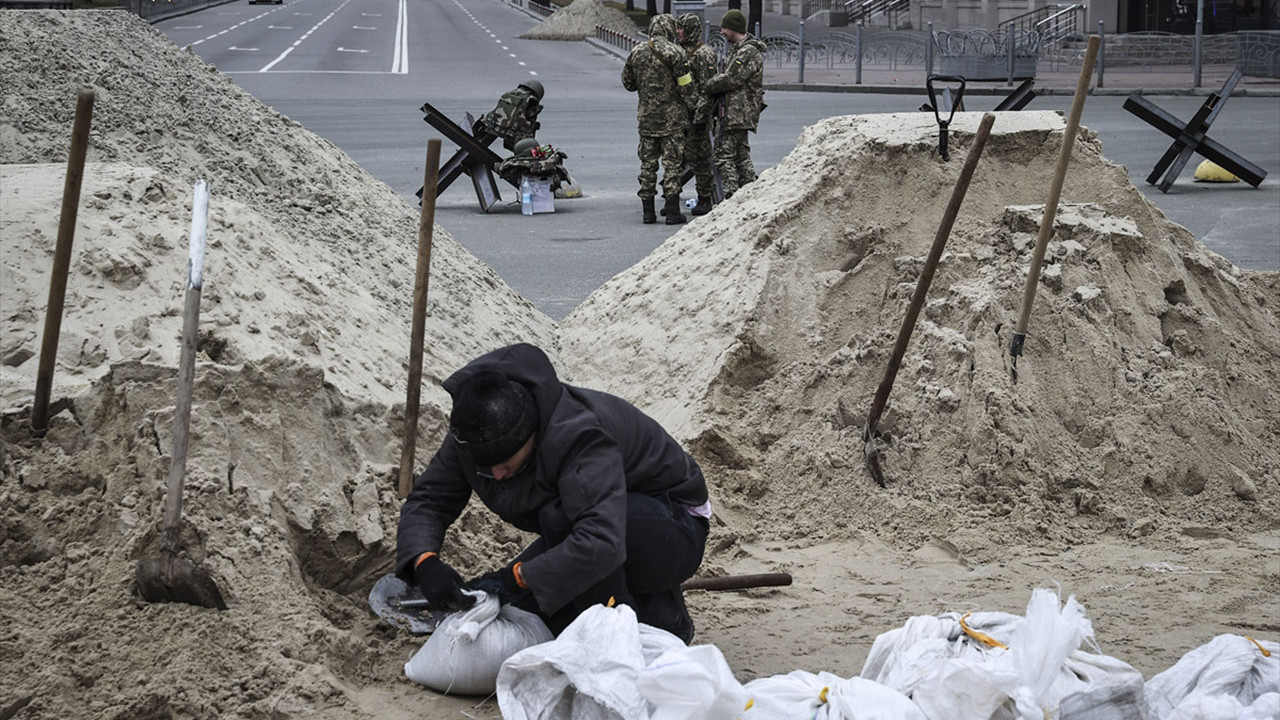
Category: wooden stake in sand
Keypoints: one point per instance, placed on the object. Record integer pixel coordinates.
(1051, 205)
(426, 227)
(61, 262)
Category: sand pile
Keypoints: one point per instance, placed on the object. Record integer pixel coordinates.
(578, 21)
(299, 388)
(1146, 401)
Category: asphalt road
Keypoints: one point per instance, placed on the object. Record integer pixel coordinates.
(357, 74)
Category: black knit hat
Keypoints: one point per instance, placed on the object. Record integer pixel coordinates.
(492, 417)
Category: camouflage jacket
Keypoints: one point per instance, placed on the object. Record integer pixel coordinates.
(702, 63)
(515, 117)
(659, 73)
(742, 84)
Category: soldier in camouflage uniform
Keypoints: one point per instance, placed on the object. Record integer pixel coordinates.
(697, 146)
(516, 115)
(659, 73)
(742, 84)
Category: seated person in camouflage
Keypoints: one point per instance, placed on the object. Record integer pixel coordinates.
(516, 115)
(658, 72)
(533, 159)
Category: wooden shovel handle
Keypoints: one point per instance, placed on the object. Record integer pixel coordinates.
(737, 582)
(426, 228)
(1055, 189)
(61, 261)
(169, 530)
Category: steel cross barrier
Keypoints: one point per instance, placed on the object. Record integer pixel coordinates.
(473, 157)
(1193, 137)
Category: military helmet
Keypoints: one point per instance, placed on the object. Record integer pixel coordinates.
(663, 26)
(691, 26)
(532, 86)
(525, 147)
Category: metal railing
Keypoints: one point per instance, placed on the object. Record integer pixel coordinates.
(620, 40)
(1035, 19)
(982, 52)
(867, 10)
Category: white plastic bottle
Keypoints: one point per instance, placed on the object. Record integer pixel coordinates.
(526, 196)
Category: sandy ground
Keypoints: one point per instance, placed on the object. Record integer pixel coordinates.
(1135, 463)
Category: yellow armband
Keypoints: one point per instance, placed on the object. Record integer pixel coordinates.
(684, 79)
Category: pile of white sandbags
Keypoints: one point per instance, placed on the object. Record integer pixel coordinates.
(1043, 665)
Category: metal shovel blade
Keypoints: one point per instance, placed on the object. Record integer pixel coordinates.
(173, 579)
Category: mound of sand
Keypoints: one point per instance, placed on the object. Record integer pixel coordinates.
(300, 385)
(761, 334)
(578, 21)
(1135, 461)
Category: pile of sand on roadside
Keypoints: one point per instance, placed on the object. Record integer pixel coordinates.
(298, 411)
(578, 21)
(760, 333)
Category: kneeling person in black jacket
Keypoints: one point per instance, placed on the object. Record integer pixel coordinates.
(620, 509)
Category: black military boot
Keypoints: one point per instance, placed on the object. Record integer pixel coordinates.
(650, 217)
(703, 207)
(674, 216)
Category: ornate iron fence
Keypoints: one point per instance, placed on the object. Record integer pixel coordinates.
(1259, 53)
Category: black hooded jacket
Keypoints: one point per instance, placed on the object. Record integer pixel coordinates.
(592, 448)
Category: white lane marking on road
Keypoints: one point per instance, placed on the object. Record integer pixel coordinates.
(511, 54)
(279, 27)
(370, 14)
(362, 27)
(400, 58)
(259, 16)
(305, 35)
(187, 27)
(504, 47)
(520, 63)
(240, 49)
(342, 49)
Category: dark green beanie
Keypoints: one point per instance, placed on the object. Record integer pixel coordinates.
(734, 20)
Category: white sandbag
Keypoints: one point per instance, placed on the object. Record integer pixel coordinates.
(1203, 706)
(824, 696)
(692, 683)
(1037, 677)
(798, 694)
(588, 673)
(466, 651)
(902, 658)
(861, 699)
(1230, 665)
(1098, 687)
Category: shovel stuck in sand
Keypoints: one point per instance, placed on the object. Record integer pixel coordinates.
(917, 299)
(169, 578)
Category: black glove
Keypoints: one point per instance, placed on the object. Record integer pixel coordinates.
(441, 585)
(500, 583)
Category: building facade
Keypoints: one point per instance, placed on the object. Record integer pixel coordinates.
(1176, 16)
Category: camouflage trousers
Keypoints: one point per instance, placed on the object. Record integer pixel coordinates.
(733, 160)
(670, 150)
(697, 155)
